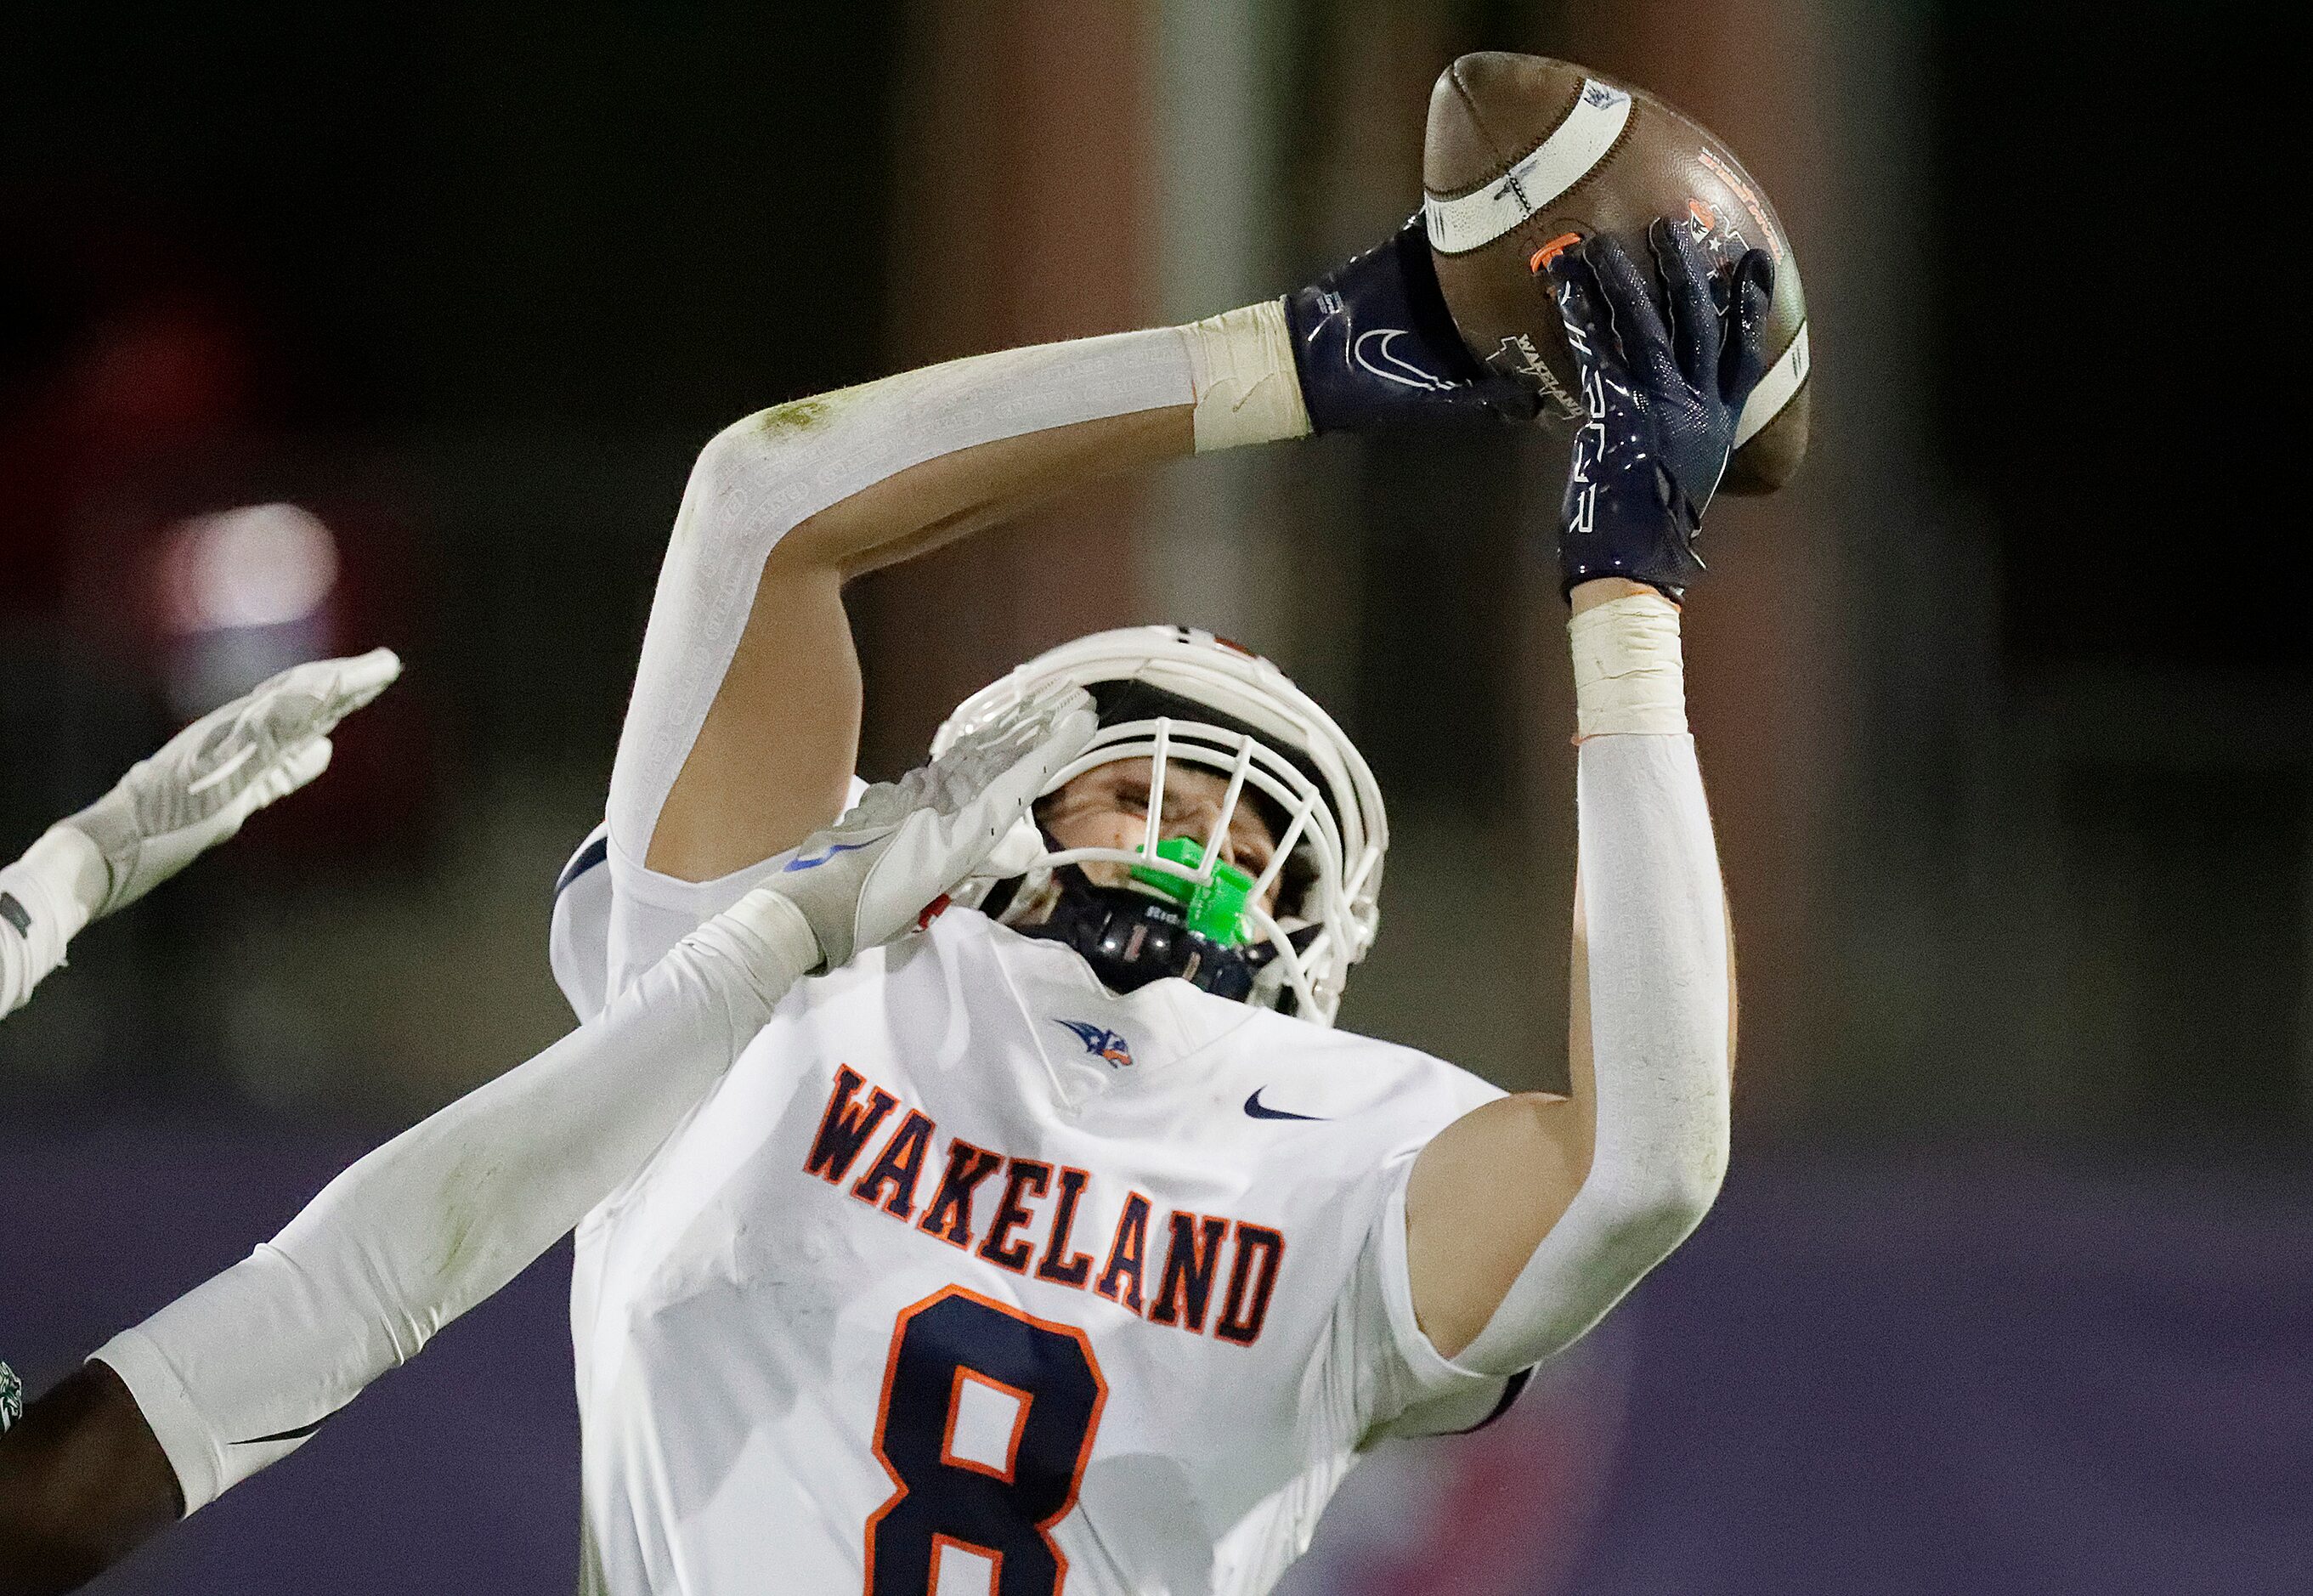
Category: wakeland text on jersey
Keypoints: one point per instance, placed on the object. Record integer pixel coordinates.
(1194, 1244)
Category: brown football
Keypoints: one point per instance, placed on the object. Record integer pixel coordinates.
(1525, 155)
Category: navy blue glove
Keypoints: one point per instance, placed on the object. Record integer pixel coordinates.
(1660, 401)
(1376, 348)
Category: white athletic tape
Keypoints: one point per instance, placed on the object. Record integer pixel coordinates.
(1776, 389)
(1247, 389)
(1630, 673)
(1577, 143)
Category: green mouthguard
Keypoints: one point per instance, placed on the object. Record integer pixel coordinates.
(1215, 909)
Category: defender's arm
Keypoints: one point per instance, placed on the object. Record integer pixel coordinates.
(240, 1372)
(168, 810)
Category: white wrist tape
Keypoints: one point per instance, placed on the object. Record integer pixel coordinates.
(1629, 673)
(1241, 363)
(768, 937)
(46, 897)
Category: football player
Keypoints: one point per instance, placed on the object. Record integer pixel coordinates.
(1067, 1241)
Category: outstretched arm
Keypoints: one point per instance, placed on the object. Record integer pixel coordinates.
(744, 722)
(169, 809)
(241, 1370)
(1530, 1217)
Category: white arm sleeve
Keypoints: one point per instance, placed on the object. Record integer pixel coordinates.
(1659, 1011)
(237, 1373)
(764, 476)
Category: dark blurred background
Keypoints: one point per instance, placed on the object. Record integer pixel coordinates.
(323, 327)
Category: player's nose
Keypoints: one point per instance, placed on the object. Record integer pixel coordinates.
(1198, 829)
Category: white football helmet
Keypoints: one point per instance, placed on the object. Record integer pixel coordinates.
(1171, 692)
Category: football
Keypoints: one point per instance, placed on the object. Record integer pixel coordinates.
(1525, 155)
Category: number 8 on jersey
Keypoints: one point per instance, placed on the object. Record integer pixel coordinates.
(1002, 1511)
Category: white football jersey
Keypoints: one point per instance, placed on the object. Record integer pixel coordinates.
(973, 1275)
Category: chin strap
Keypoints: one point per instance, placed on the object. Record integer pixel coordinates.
(1130, 939)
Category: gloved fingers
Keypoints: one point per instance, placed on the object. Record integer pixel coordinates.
(297, 765)
(1033, 723)
(1008, 790)
(359, 679)
(1017, 851)
(362, 674)
(1012, 722)
(1051, 726)
(1685, 270)
(337, 687)
(1063, 726)
(1039, 713)
(1589, 325)
(1638, 323)
(304, 763)
(1065, 721)
(309, 700)
(1507, 397)
(937, 849)
(1744, 360)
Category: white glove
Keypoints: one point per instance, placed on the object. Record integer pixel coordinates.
(906, 844)
(215, 773)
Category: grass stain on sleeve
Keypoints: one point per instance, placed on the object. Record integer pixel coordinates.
(796, 416)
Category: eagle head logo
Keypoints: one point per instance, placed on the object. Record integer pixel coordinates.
(1101, 1041)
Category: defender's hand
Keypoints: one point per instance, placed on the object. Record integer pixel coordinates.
(908, 843)
(1376, 348)
(215, 773)
(1661, 401)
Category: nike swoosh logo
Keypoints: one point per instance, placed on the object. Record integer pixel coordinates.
(1253, 1106)
(1386, 364)
(299, 1433)
(834, 849)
